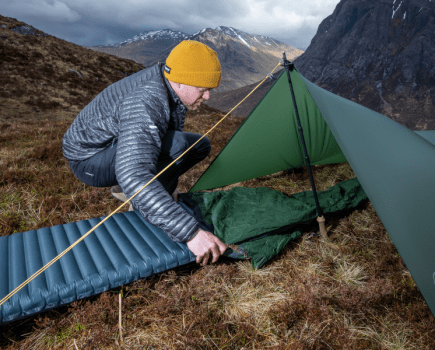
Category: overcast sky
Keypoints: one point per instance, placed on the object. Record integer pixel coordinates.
(98, 22)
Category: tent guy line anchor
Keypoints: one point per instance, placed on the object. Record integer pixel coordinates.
(289, 66)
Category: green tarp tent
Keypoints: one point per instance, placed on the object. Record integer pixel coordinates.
(395, 165)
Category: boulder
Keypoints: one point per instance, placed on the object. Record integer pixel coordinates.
(24, 30)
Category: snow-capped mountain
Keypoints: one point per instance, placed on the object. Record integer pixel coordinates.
(153, 35)
(249, 40)
(176, 36)
(252, 41)
(245, 58)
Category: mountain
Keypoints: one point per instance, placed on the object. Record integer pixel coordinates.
(42, 76)
(254, 42)
(144, 48)
(245, 58)
(153, 36)
(381, 54)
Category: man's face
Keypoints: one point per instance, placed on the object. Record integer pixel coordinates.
(192, 96)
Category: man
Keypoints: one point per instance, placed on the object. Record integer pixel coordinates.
(133, 129)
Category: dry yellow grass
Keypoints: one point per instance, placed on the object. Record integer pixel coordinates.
(315, 294)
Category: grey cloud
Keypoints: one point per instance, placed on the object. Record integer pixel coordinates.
(105, 22)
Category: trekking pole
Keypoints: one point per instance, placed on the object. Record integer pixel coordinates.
(320, 218)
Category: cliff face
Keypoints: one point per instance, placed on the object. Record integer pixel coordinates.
(381, 54)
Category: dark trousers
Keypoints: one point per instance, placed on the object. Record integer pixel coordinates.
(99, 170)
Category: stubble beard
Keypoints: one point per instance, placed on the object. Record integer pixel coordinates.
(194, 105)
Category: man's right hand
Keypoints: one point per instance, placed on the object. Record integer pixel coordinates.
(204, 244)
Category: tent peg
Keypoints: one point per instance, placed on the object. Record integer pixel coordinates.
(322, 227)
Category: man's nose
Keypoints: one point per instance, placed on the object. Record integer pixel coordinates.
(206, 95)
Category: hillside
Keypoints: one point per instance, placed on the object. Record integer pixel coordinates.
(41, 75)
(380, 54)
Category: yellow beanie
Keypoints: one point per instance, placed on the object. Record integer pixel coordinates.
(195, 64)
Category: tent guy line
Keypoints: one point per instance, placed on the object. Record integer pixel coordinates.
(45, 267)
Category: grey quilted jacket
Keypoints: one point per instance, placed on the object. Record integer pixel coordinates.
(137, 111)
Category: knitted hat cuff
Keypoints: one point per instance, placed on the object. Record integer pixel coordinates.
(199, 79)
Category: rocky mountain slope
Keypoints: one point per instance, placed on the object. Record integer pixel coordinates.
(381, 54)
(245, 58)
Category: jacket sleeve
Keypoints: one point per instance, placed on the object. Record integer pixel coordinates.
(138, 149)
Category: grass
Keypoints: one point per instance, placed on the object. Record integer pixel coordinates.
(350, 292)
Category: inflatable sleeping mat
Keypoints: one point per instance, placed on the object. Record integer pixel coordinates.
(121, 250)
(256, 223)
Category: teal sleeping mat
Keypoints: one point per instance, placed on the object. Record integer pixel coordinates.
(121, 250)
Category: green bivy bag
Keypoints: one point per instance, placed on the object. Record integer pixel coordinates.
(261, 221)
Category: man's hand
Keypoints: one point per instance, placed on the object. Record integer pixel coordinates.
(204, 244)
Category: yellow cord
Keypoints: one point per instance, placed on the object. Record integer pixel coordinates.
(37, 273)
